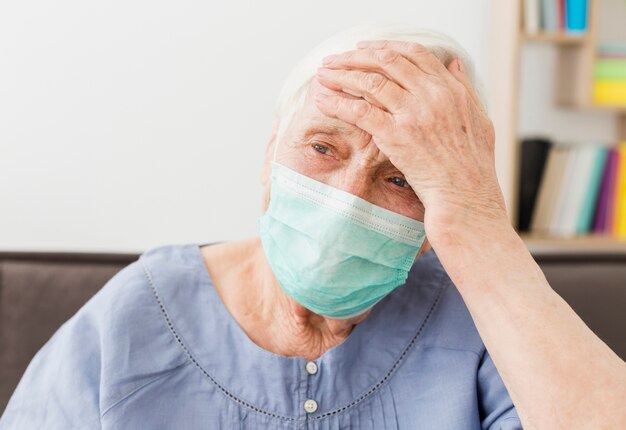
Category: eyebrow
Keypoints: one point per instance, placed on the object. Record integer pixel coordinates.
(329, 127)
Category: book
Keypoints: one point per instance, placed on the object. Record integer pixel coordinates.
(560, 14)
(578, 188)
(550, 184)
(602, 214)
(531, 16)
(549, 15)
(534, 153)
(610, 69)
(619, 210)
(576, 15)
(592, 191)
(611, 50)
(605, 208)
(562, 214)
(610, 92)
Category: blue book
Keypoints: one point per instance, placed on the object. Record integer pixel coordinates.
(576, 15)
(549, 15)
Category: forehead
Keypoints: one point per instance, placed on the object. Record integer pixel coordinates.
(309, 117)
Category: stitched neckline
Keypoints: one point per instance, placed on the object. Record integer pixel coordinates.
(212, 365)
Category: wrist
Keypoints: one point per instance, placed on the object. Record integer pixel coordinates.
(479, 253)
(464, 224)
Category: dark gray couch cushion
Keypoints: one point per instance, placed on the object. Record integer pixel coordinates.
(38, 292)
(595, 287)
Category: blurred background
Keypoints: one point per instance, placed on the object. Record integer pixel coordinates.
(127, 125)
(130, 124)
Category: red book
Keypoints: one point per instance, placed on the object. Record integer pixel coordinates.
(561, 14)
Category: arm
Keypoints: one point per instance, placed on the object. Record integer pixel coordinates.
(559, 374)
(428, 120)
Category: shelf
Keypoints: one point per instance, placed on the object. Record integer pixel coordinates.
(579, 245)
(560, 38)
(589, 107)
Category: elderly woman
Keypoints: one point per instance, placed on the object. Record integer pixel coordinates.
(338, 315)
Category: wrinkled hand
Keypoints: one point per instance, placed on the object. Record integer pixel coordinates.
(426, 118)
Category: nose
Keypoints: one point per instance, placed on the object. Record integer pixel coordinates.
(355, 181)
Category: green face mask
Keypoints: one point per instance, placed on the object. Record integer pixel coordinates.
(331, 251)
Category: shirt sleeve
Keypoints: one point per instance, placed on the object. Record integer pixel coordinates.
(497, 411)
(61, 386)
(59, 389)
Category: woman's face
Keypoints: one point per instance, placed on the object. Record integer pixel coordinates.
(343, 156)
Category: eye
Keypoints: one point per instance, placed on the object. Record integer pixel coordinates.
(401, 182)
(320, 148)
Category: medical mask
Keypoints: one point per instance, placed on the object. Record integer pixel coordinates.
(331, 251)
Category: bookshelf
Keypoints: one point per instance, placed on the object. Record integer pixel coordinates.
(592, 245)
(557, 38)
(573, 90)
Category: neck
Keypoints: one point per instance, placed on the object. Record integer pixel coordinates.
(272, 319)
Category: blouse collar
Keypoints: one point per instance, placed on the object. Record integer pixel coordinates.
(277, 385)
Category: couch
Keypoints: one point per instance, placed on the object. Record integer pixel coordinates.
(40, 291)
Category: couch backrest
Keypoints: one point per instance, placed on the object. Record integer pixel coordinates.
(594, 285)
(40, 291)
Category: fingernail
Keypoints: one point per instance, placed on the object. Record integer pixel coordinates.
(328, 59)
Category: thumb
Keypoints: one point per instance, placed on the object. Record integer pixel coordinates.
(456, 68)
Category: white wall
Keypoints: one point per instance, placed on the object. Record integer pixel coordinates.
(129, 124)
(538, 115)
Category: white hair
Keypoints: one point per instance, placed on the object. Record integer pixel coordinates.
(294, 90)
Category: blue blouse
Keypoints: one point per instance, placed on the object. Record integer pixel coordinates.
(157, 349)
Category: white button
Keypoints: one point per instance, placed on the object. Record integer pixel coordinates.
(310, 406)
(311, 368)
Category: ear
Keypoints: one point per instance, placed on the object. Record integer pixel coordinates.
(265, 171)
(269, 153)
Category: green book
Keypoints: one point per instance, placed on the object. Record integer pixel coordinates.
(591, 196)
(609, 68)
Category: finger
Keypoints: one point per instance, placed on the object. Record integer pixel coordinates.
(426, 60)
(456, 69)
(385, 61)
(372, 86)
(357, 111)
(418, 54)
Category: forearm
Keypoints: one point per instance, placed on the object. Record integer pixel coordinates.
(558, 373)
